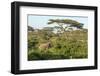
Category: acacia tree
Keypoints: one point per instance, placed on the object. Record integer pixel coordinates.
(67, 22)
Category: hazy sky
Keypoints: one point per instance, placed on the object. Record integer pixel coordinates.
(40, 21)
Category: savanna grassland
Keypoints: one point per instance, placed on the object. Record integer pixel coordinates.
(44, 44)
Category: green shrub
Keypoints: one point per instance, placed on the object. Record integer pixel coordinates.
(73, 46)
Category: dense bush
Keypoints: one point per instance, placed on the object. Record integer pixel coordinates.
(68, 45)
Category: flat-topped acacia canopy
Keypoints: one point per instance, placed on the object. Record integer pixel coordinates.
(61, 22)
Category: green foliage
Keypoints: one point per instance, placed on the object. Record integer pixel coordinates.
(67, 22)
(30, 28)
(69, 45)
(44, 44)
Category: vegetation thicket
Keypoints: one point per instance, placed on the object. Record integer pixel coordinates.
(69, 41)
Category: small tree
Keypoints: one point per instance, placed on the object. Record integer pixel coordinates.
(30, 28)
